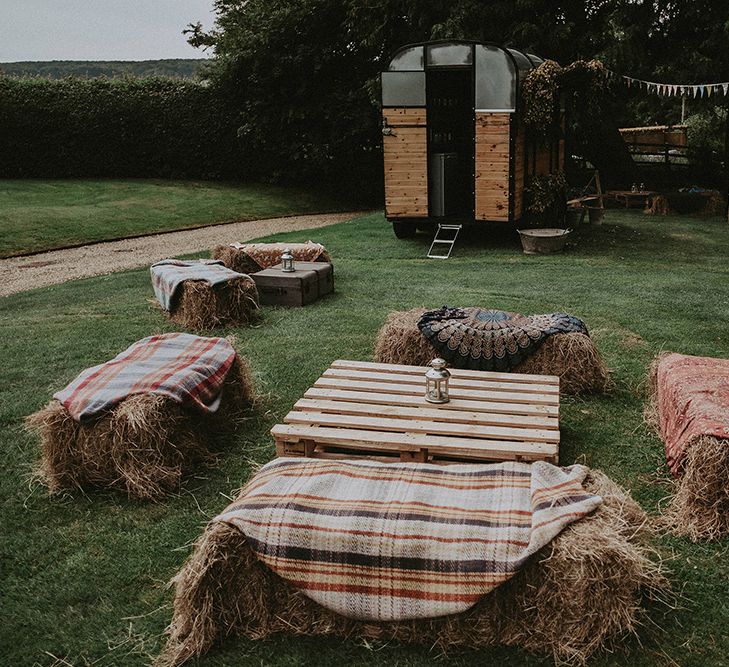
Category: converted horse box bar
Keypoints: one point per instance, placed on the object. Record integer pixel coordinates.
(454, 142)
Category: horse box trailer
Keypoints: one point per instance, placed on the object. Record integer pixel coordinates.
(454, 144)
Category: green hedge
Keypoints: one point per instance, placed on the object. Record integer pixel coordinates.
(150, 127)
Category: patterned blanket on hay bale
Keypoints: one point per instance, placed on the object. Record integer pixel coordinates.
(491, 340)
(388, 542)
(188, 369)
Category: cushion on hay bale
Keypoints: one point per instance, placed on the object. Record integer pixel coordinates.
(204, 294)
(142, 420)
(581, 593)
(572, 356)
(254, 257)
(690, 409)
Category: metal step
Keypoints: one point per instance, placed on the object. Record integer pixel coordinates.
(442, 238)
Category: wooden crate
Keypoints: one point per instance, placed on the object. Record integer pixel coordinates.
(378, 411)
(310, 281)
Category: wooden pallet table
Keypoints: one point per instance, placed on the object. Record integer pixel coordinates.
(378, 411)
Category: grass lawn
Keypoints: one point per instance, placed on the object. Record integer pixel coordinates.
(46, 214)
(85, 577)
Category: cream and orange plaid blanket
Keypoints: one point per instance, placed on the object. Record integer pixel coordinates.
(395, 541)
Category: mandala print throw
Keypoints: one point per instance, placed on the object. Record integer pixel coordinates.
(491, 340)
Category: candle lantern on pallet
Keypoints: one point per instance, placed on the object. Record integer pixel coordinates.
(287, 261)
(436, 382)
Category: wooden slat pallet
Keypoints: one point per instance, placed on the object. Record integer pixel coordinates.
(378, 411)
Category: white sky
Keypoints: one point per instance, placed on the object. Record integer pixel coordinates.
(99, 29)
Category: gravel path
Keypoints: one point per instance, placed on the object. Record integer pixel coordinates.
(58, 266)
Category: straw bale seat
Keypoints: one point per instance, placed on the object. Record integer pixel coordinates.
(581, 594)
(689, 408)
(143, 444)
(203, 295)
(254, 257)
(571, 356)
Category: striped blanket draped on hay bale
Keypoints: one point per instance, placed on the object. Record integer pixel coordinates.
(690, 408)
(169, 274)
(188, 369)
(491, 340)
(388, 542)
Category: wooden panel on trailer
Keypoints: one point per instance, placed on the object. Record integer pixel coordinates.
(492, 166)
(406, 163)
(519, 170)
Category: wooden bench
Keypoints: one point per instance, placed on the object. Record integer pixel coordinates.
(378, 411)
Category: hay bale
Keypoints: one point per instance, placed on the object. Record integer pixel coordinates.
(235, 259)
(582, 594)
(572, 356)
(699, 505)
(143, 446)
(242, 262)
(201, 306)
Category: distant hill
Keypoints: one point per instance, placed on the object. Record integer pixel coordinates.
(184, 68)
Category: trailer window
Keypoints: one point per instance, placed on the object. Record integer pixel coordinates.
(450, 55)
(403, 89)
(496, 80)
(408, 59)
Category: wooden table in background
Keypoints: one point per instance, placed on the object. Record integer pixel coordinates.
(378, 411)
(630, 198)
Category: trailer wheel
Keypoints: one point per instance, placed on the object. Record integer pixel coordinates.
(404, 230)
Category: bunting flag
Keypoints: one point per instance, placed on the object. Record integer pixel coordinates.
(693, 90)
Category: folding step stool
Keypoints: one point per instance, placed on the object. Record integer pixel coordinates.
(450, 234)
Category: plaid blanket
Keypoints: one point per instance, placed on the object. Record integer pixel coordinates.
(188, 369)
(491, 340)
(267, 255)
(169, 274)
(692, 395)
(392, 541)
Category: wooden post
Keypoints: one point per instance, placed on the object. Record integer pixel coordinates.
(598, 187)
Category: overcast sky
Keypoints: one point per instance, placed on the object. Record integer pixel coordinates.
(99, 29)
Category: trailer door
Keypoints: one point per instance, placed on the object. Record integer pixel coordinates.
(405, 148)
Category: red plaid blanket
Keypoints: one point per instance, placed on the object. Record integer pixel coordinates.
(169, 274)
(188, 369)
(393, 541)
(692, 396)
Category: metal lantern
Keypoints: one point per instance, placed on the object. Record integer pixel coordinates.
(287, 259)
(436, 382)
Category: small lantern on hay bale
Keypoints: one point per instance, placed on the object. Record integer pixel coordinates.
(571, 356)
(145, 443)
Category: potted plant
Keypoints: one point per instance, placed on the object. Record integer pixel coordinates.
(546, 205)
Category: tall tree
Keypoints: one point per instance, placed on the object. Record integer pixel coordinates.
(304, 72)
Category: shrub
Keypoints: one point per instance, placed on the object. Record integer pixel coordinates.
(150, 127)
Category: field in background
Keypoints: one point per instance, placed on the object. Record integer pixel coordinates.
(85, 578)
(40, 215)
